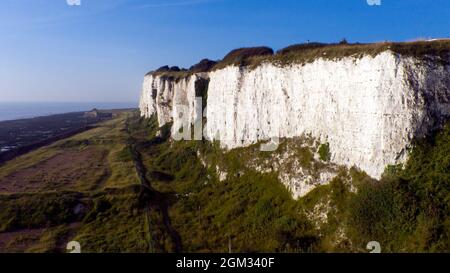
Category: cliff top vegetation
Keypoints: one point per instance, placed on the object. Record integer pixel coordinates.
(308, 52)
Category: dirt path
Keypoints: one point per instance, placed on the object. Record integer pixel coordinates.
(158, 200)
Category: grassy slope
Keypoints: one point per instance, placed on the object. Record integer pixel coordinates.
(406, 211)
(110, 218)
(208, 214)
(411, 204)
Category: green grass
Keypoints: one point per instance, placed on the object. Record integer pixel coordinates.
(207, 213)
(385, 211)
(28, 211)
(110, 219)
(245, 209)
(27, 160)
(115, 223)
(408, 210)
(109, 137)
(126, 155)
(302, 54)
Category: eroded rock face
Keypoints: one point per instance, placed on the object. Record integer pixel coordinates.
(368, 109)
(173, 100)
(297, 166)
(147, 103)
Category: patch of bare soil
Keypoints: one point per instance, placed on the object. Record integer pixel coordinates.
(19, 241)
(71, 170)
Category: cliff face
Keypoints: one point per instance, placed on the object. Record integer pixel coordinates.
(172, 100)
(367, 108)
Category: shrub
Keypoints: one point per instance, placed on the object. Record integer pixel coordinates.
(241, 56)
(383, 211)
(409, 208)
(204, 65)
(38, 210)
(324, 152)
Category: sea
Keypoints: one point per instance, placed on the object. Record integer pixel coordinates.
(21, 110)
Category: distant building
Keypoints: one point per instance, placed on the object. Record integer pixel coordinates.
(6, 148)
(96, 114)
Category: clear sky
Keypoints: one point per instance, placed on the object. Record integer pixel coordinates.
(99, 51)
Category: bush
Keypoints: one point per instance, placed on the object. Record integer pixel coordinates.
(324, 152)
(408, 210)
(241, 56)
(383, 211)
(204, 65)
(38, 210)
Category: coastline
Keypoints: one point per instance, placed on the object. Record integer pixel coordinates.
(20, 136)
(12, 111)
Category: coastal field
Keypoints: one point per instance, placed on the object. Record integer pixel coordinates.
(81, 188)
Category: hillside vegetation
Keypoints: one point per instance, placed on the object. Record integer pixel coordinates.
(153, 194)
(407, 211)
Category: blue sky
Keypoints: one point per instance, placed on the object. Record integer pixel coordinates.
(99, 51)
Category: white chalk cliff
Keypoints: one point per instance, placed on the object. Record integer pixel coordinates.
(368, 108)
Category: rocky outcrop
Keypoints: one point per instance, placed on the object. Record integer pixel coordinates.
(368, 108)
